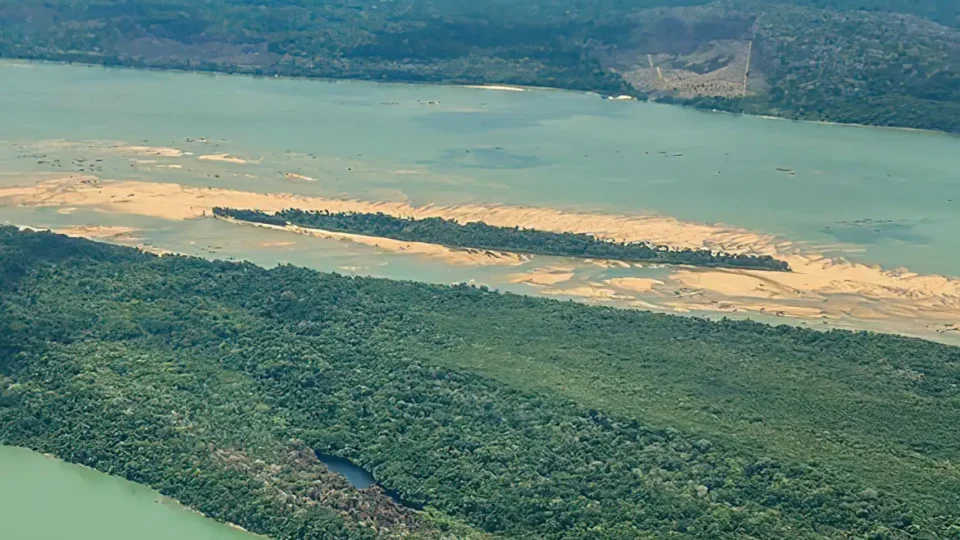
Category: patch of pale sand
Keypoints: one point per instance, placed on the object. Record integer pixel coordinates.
(815, 275)
(785, 310)
(160, 151)
(591, 291)
(155, 250)
(66, 211)
(634, 284)
(812, 278)
(115, 147)
(295, 176)
(544, 276)
(604, 263)
(734, 283)
(640, 304)
(169, 166)
(771, 309)
(277, 244)
(227, 158)
(99, 232)
(495, 87)
(471, 257)
(178, 202)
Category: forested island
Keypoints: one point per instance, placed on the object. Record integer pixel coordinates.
(501, 415)
(479, 235)
(879, 62)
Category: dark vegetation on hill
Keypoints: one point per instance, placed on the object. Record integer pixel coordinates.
(479, 235)
(884, 62)
(523, 417)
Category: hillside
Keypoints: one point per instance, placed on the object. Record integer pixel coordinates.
(882, 62)
(215, 382)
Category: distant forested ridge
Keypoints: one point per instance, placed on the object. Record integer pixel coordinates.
(479, 235)
(500, 414)
(880, 62)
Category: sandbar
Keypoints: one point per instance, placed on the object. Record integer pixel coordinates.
(634, 284)
(818, 286)
(544, 276)
(495, 87)
(160, 151)
(227, 158)
(590, 291)
(101, 232)
(475, 257)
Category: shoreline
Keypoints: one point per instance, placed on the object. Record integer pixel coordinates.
(846, 124)
(21, 62)
(820, 288)
(657, 295)
(159, 497)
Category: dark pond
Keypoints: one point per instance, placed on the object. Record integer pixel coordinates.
(360, 478)
(357, 476)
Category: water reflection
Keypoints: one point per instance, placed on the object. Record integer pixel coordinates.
(357, 476)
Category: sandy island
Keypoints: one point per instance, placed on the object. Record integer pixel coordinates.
(544, 276)
(227, 158)
(149, 150)
(817, 288)
(448, 255)
(496, 87)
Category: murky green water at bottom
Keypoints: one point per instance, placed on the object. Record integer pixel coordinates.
(42, 498)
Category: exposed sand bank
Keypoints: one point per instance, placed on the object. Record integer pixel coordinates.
(149, 150)
(448, 255)
(495, 87)
(99, 232)
(832, 290)
(544, 276)
(589, 291)
(227, 158)
(173, 201)
(634, 284)
(139, 151)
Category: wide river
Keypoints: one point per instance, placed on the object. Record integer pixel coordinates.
(42, 498)
(835, 200)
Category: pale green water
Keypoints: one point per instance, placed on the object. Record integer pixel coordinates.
(871, 195)
(46, 499)
(547, 148)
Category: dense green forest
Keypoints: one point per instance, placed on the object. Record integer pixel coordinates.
(883, 62)
(500, 414)
(479, 235)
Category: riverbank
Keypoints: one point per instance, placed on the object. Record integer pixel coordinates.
(823, 291)
(80, 500)
(493, 86)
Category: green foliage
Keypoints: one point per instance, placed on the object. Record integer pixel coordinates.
(479, 235)
(517, 416)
